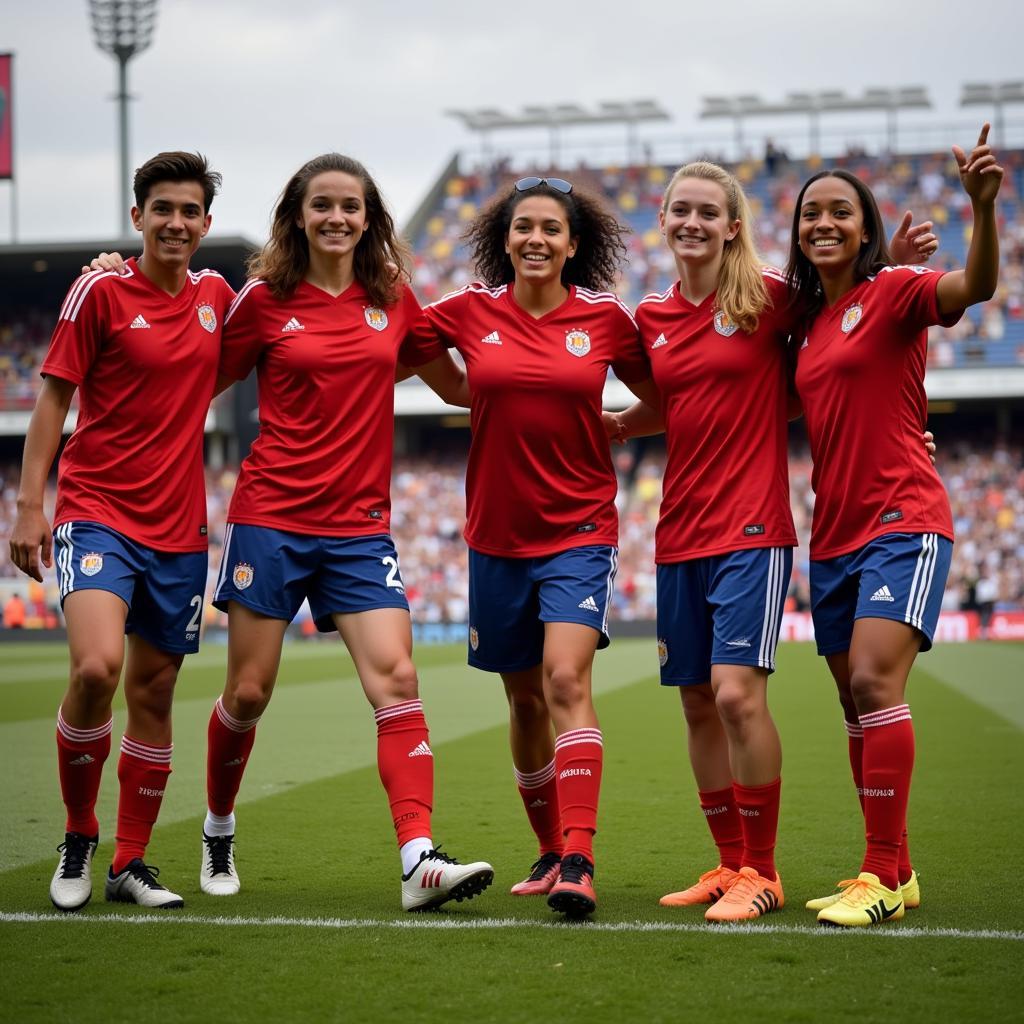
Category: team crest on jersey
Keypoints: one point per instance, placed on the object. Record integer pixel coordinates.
(207, 317)
(662, 652)
(577, 342)
(851, 317)
(474, 638)
(376, 318)
(91, 563)
(724, 324)
(242, 576)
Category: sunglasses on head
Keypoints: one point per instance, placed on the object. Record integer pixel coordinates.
(558, 184)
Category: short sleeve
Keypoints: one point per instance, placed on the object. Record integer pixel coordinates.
(445, 315)
(242, 341)
(911, 296)
(630, 362)
(81, 328)
(421, 344)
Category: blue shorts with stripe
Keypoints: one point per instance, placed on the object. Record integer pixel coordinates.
(162, 589)
(510, 599)
(274, 571)
(721, 610)
(898, 576)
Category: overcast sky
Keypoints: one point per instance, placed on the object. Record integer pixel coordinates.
(262, 85)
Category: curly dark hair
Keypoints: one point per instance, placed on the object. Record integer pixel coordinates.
(599, 236)
(380, 257)
(804, 284)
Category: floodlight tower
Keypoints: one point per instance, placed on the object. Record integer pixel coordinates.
(123, 28)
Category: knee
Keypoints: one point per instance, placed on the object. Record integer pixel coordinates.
(566, 687)
(699, 708)
(403, 682)
(96, 676)
(248, 696)
(527, 707)
(737, 706)
(869, 689)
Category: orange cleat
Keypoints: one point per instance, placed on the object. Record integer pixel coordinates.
(543, 875)
(749, 896)
(573, 893)
(710, 887)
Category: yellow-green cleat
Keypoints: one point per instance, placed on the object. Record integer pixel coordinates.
(865, 902)
(911, 890)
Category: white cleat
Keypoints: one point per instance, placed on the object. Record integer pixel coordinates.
(137, 884)
(71, 887)
(218, 876)
(439, 878)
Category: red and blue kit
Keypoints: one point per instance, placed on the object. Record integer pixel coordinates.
(726, 485)
(145, 363)
(540, 477)
(326, 369)
(860, 375)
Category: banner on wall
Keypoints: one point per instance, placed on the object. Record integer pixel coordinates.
(6, 115)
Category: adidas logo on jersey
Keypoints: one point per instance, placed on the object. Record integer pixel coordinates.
(659, 341)
(882, 594)
(293, 325)
(421, 750)
(491, 339)
(139, 321)
(588, 604)
(81, 761)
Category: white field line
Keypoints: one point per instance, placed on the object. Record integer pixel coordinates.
(435, 923)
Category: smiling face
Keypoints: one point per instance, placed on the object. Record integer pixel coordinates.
(831, 227)
(172, 221)
(333, 215)
(695, 221)
(538, 241)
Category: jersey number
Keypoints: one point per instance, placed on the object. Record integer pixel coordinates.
(197, 603)
(393, 579)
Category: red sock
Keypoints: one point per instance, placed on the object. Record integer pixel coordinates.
(578, 757)
(228, 745)
(856, 745)
(80, 757)
(406, 767)
(723, 818)
(888, 766)
(539, 793)
(759, 820)
(143, 772)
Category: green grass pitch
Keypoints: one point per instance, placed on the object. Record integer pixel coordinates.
(317, 932)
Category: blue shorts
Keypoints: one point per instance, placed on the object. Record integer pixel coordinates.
(721, 610)
(898, 576)
(163, 589)
(274, 571)
(510, 599)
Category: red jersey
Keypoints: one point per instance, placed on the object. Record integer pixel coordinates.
(326, 378)
(860, 375)
(540, 476)
(145, 363)
(726, 485)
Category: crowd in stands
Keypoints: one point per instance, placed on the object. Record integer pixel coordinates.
(985, 483)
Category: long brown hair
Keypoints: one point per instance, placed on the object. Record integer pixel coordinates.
(741, 292)
(380, 257)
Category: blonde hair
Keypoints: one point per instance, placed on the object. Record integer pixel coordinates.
(741, 292)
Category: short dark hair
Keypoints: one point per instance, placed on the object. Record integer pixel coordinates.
(176, 166)
(802, 277)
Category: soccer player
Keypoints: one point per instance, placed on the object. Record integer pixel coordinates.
(882, 532)
(538, 337)
(325, 320)
(717, 344)
(130, 524)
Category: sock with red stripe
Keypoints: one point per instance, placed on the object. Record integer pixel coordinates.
(759, 820)
(888, 766)
(539, 794)
(406, 766)
(143, 772)
(723, 818)
(229, 743)
(80, 757)
(579, 754)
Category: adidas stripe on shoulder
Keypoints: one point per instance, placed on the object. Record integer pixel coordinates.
(600, 298)
(250, 285)
(655, 298)
(474, 288)
(80, 289)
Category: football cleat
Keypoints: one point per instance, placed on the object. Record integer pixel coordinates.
(749, 896)
(137, 884)
(217, 876)
(438, 878)
(710, 887)
(71, 887)
(864, 903)
(826, 901)
(543, 875)
(911, 890)
(573, 893)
